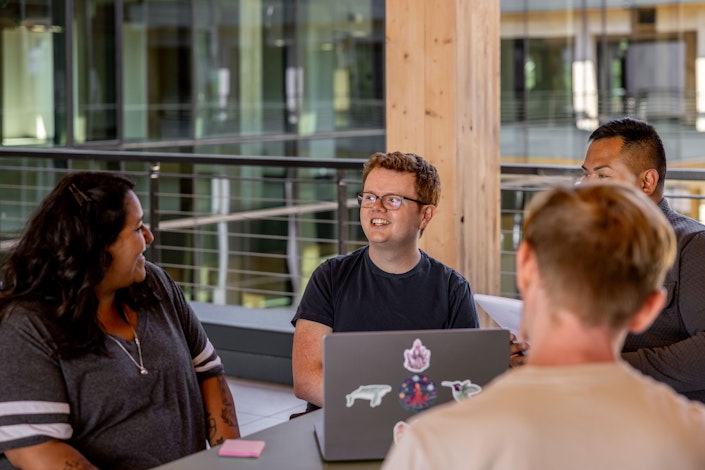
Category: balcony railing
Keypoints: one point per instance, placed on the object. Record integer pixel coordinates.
(249, 230)
(685, 191)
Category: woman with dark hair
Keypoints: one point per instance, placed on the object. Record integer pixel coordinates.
(104, 364)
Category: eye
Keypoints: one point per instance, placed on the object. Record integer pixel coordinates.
(394, 200)
(369, 197)
(140, 228)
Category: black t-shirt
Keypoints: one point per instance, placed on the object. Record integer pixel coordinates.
(350, 293)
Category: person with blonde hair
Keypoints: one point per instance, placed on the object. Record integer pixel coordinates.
(590, 269)
(389, 284)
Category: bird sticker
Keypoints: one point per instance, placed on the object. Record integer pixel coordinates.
(462, 389)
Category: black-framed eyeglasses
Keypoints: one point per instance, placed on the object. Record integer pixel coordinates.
(390, 202)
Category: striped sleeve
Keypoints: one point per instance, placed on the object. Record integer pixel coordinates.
(207, 363)
(24, 423)
(34, 406)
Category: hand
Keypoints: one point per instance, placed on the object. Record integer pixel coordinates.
(517, 351)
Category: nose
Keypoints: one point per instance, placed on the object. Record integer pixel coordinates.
(148, 236)
(381, 204)
(584, 178)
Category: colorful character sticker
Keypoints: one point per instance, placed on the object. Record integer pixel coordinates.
(373, 393)
(417, 358)
(462, 389)
(417, 392)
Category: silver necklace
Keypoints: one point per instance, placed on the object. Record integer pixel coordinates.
(139, 365)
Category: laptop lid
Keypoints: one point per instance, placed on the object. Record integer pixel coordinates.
(374, 380)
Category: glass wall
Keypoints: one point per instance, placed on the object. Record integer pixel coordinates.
(268, 75)
(567, 66)
(306, 78)
(243, 77)
(188, 73)
(94, 71)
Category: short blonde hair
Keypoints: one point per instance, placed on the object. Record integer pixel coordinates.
(601, 249)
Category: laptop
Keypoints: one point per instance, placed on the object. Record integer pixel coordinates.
(372, 381)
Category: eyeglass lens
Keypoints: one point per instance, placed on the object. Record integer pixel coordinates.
(389, 201)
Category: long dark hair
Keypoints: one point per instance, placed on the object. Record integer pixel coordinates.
(62, 256)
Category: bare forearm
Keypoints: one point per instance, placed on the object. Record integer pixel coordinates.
(309, 387)
(307, 361)
(52, 455)
(219, 406)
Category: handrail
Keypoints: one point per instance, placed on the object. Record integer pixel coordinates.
(519, 180)
(689, 174)
(173, 157)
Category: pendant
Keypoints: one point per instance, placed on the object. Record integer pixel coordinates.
(144, 371)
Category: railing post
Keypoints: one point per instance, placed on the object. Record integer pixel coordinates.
(342, 212)
(155, 251)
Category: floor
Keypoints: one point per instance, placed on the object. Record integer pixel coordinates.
(261, 405)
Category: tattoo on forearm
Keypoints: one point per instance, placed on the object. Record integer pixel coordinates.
(77, 464)
(227, 415)
(211, 427)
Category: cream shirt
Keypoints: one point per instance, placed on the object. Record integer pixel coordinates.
(595, 416)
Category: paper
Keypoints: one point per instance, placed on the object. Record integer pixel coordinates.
(505, 311)
(241, 448)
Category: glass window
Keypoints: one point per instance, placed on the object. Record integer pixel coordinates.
(157, 75)
(95, 71)
(340, 72)
(31, 64)
(568, 66)
(276, 66)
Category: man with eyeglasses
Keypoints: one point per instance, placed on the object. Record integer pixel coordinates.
(390, 284)
(672, 350)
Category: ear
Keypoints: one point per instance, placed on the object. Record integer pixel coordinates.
(648, 181)
(427, 213)
(526, 266)
(648, 312)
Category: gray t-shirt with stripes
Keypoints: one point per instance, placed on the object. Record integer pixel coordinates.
(102, 405)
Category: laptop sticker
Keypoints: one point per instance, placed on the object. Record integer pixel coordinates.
(373, 393)
(462, 389)
(417, 392)
(417, 358)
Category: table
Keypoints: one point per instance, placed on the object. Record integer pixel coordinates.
(291, 445)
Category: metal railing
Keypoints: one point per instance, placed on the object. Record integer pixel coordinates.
(249, 230)
(685, 191)
(241, 230)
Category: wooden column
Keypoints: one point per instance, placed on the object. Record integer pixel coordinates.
(442, 73)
